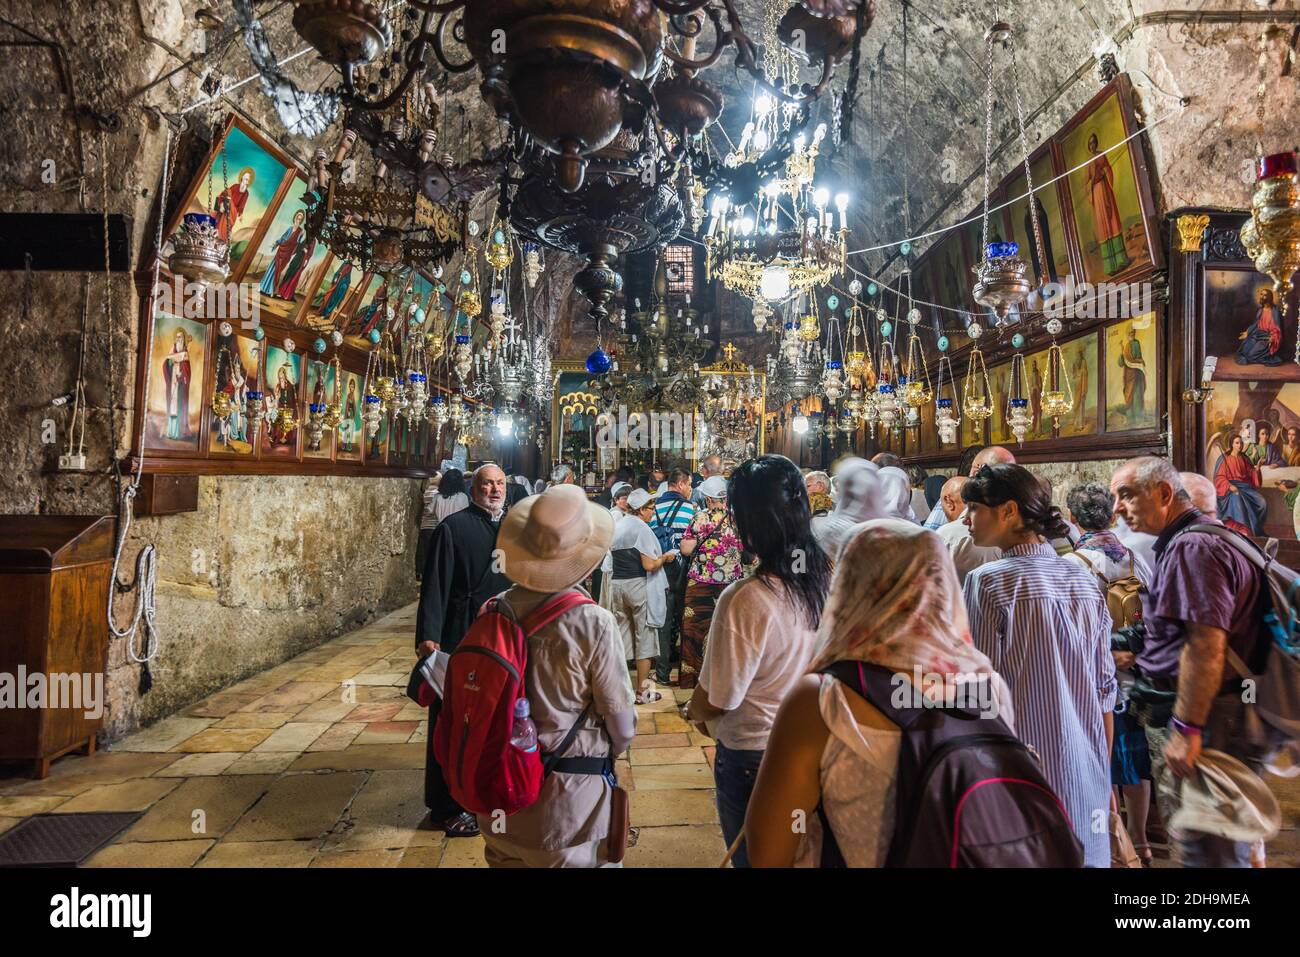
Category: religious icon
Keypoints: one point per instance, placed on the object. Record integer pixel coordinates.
(175, 405)
(237, 360)
(350, 426)
(1108, 213)
(336, 291)
(230, 202)
(1263, 337)
(283, 374)
(287, 249)
(1237, 482)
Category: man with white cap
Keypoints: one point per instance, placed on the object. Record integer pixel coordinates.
(638, 588)
(575, 678)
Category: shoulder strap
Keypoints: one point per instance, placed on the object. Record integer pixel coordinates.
(677, 507)
(1259, 557)
(876, 685)
(550, 757)
(553, 608)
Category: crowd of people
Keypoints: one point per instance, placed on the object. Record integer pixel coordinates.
(1103, 631)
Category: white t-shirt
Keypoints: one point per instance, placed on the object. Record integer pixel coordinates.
(758, 646)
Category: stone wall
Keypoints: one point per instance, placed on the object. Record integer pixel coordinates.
(268, 566)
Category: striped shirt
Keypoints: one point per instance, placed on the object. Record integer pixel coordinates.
(681, 517)
(1043, 624)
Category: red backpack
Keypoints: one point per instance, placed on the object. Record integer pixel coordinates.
(485, 677)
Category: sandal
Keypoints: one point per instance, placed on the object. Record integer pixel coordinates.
(648, 697)
(463, 824)
(1144, 858)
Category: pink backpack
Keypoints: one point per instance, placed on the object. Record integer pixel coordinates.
(485, 677)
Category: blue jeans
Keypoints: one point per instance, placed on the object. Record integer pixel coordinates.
(734, 773)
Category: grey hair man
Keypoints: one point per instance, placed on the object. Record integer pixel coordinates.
(710, 466)
(562, 475)
(1201, 606)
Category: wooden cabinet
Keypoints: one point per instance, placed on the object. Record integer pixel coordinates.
(54, 580)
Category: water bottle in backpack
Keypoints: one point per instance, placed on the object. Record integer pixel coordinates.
(523, 733)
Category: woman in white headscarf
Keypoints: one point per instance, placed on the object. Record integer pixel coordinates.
(896, 494)
(858, 499)
(894, 603)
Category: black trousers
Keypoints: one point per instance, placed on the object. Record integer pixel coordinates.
(437, 798)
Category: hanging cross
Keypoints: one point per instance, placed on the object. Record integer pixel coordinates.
(729, 351)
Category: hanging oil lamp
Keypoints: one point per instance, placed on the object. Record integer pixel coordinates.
(1020, 418)
(254, 409)
(533, 265)
(917, 392)
(314, 427)
(333, 413)
(1272, 234)
(222, 402)
(201, 247)
(947, 413)
(1058, 398)
(1001, 281)
(976, 403)
(438, 415)
(887, 403)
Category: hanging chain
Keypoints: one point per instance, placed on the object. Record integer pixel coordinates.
(988, 140)
(907, 130)
(1024, 146)
(1261, 89)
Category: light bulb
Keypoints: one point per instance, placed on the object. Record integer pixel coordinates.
(764, 105)
(772, 189)
(821, 197)
(841, 201)
(760, 140)
(505, 423)
(747, 226)
(799, 424)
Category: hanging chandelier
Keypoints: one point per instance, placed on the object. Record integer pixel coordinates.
(1272, 234)
(1001, 275)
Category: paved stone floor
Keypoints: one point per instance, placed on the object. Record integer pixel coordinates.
(292, 768)
(295, 768)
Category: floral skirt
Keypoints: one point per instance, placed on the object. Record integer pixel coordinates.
(697, 615)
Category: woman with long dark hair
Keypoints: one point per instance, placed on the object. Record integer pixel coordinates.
(1043, 623)
(764, 630)
(442, 497)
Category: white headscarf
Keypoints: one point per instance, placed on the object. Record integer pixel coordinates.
(858, 500)
(896, 494)
(895, 602)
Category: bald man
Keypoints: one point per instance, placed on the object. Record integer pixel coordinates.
(1201, 491)
(956, 535)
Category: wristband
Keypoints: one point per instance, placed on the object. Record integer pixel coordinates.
(1185, 729)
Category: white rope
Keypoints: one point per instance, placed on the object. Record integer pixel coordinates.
(146, 562)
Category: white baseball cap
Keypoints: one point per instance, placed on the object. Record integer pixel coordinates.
(620, 488)
(638, 499)
(715, 486)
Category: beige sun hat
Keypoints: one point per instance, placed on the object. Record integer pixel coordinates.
(1222, 796)
(551, 541)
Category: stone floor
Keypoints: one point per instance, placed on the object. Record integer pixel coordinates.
(319, 762)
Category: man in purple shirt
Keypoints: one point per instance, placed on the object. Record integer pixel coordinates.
(1205, 597)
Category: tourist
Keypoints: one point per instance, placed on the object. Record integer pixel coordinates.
(443, 496)
(460, 574)
(714, 559)
(956, 533)
(950, 504)
(764, 629)
(886, 460)
(1200, 491)
(819, 493)
(519, 488)
(859, 501)
(1203, 602)
(427, 522)
(1102, 553)
(710, 466)
(562, 475)
(934, 517)
(896, 494)
(1044, 625)
(575, 677)
(638, 588)
(622, 476)
(673, 514)
(894, 603)
(916, 478)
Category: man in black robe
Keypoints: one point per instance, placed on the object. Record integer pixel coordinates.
(460, 574)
